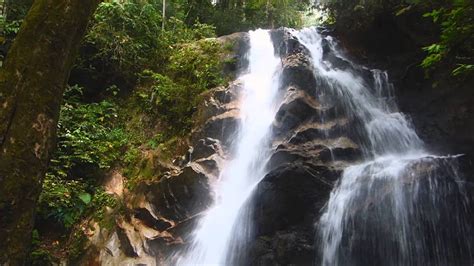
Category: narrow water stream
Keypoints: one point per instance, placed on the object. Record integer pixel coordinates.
(226, 223)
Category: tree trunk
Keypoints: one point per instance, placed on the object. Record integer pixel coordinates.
(32, 82)
(164, 15)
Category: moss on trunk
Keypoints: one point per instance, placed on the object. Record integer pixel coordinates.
(31, 87)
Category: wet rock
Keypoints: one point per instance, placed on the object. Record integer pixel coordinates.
(151, 221)
(297, 107)
(391, 201)
(222, 127)
(125, 243)
(313, 144)
(297, 69)
(316, 151)
(207, 147)
(218, 115)
(212, 166)
(115, 253)
(229, 94)
(285, 43)
(235, 59)
(298, 72)
(285, 248)
(318, 130)
(291, 194)
(113, 183)
(181, 196)
(287, 203)
(294, 248)
(336, 61)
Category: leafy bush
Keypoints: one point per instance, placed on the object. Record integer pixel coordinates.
(39, 256)
(275, 13)
(10, 21)
(193, 68)
(86, 134)
(360, 14)
(233, 16)
(128, 37)
(10, 28)
(67, 201)
(456, 44)
(63, 201)
(197, 65)
(126, 34)
(88, 142)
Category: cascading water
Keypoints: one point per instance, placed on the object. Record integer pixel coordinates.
(401, 206)
(226, 222)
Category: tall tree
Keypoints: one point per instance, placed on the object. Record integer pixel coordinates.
(164, 15)
(32, 82)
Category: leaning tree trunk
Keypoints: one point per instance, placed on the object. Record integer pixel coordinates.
(32, 82)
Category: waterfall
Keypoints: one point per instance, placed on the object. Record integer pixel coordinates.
(401, 205)
(227, 223)
(395, 203)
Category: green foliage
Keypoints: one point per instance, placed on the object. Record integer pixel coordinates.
(87, 134)
(193, 68)
(357, 15)
(197, 65)
(60, 200)
(456, 45)
(232, 16)
(78, 241)
(11, 21)
(67, 201)
(87, 139)
(39, 256)
(131, 155)
(126, 34)
(154, 142)
(128, 38)
(17, 9)
(10, 28)
(435, 55)
(463, 69)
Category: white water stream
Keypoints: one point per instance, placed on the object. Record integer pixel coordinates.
(225, 221)
(394, 208)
